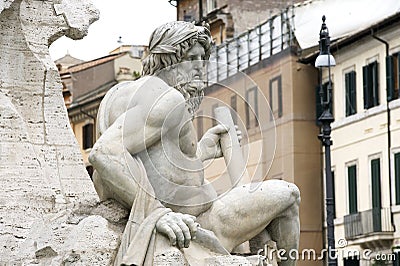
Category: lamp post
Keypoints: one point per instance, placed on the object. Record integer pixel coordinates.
(326, 60)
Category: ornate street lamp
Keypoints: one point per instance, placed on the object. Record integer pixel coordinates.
(326, 60)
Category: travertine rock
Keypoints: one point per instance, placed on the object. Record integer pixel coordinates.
(49, 210)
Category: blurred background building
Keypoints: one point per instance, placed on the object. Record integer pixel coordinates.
(86, 83)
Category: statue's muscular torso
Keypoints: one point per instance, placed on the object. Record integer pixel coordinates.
(172, 166)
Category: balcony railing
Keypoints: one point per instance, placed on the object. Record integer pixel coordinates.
(365, 223)
(249, 48)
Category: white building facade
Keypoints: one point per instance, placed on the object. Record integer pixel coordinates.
(366, 144)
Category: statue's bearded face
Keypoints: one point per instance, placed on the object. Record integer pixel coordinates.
(193, 67)
(188, 77)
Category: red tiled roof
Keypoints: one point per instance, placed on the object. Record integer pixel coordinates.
(89, 64)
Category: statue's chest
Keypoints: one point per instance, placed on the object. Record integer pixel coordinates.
(188, 139)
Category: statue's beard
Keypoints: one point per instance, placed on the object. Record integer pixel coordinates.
(190, 87)
(193, 94)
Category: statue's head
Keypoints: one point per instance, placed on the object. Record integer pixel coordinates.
(177, 54)
(170, 42)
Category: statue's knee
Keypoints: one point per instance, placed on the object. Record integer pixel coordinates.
(295, 193)
(99, 186)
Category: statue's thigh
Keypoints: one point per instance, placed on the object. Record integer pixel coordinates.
(245, 211)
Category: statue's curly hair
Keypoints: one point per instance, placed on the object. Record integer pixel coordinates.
(156, 61)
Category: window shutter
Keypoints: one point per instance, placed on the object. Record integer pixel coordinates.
(376, 183)
(375, 79)
(397, 176)
(352, 178)
(280, 100)
(365, 87)
(353, 92)
(348, 94)
(398, 75)
(389, 78)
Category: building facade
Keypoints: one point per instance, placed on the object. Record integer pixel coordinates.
(271, 95)
(230, 18)
(366, 144)
(85, 84)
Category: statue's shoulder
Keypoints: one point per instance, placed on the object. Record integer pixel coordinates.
(159, 92)
(149, 94)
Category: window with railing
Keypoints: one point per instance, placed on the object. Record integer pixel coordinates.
(251, 47)
(367, 222)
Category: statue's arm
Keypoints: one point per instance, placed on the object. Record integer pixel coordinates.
(140, 127)
(209, 146)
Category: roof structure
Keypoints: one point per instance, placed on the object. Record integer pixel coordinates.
(92, 63)
(67, 61)
(344, 18)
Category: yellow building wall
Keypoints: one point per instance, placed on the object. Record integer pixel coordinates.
(77, 128)
(292, 145)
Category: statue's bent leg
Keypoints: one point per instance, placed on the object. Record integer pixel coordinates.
(241, 214)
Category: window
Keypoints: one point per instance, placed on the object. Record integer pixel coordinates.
(393, 76)
(350, 86)
(234, 108)
(397, 176)
(87, 136)
(376, 194)
(275, 96)
(371, 85)
(376, 183)
(187, 17)
(211, 5)
(352, 185)
(251, 108)
(351, 261)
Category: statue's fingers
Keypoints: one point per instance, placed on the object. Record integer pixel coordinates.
(167, 230)
(186, 233)
(180, 238)
(190, 216)
(218, 129)
(239, 134)
(192, 226)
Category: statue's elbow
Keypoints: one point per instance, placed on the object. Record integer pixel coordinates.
(94, 156)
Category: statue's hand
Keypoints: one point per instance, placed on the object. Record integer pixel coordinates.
(209, 144)
(178, 227)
